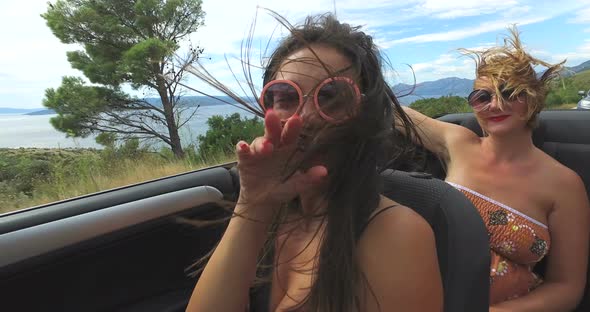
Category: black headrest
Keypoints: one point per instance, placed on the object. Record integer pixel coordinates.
(469, 121)
(461, 236)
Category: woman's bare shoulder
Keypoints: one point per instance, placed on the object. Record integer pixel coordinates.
(560, 175)
(397, 254)
(395, 220)
(565, 185)
(397, 232)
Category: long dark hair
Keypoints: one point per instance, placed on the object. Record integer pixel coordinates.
(354, 151)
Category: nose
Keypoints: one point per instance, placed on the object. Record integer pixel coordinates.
(308, 108)
(494, 103)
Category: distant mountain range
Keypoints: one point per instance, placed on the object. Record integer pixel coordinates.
(41, 112)
(190, 101)
(433, 89)
(576, 69)
(429, 89)
(10, 110)
(456, 86)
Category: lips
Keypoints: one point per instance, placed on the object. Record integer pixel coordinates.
(498, 118)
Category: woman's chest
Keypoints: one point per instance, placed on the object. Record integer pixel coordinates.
(515, 211)
(295, 269)
(529, 191)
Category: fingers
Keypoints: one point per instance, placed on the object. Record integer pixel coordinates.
(291, 131)
(275, 136)
(279, 135)
(303, 181)
(316, 174)
(272, 127)
(260, 146)
(242, 149)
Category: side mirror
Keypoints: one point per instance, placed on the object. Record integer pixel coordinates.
(581, 93)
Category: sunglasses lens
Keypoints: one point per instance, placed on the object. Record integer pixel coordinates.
(479, 98)
(283, 98)
(337, 99)
(507, 94)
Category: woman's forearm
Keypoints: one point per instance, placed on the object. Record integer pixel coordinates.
(412, 114)
(225, 281)
(549, 297)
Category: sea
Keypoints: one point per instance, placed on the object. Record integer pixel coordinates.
(36, 131)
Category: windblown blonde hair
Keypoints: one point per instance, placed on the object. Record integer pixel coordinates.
(510, 67)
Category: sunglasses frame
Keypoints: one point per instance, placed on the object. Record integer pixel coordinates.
(479, 108)
(316, 91)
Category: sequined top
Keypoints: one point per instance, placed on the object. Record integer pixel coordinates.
(517, 243)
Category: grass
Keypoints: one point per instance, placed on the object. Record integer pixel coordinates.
(32, 177)
(581, 81)
(43, 176)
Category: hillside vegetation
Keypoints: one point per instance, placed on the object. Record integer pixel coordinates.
(565, 90)
(441, 106)
(35, 176)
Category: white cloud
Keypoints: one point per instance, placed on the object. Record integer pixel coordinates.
(495, 16)
(463, 33)
(581, 54)
(582, 16)
(415, 12)
(461, 8)
(578, 55)
(452, 64)
(32, 57)
(446, 66)
(226, 28)
(226, 25)
(517, 11)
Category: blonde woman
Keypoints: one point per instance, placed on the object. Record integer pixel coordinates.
(533, 206)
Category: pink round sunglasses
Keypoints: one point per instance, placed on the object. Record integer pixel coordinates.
(336, 99)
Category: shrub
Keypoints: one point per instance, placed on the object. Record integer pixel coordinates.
(225, 132)
(436, 107)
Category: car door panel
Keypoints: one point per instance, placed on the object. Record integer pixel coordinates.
(125, 257)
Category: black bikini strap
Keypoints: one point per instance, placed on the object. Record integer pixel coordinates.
(375, 215)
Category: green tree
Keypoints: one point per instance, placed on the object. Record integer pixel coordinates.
(225, 132)
(565, 90)
(132, 42)
(441, 106)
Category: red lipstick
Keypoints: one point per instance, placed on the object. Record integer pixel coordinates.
(498, 118)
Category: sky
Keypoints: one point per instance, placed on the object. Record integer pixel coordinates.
(424, 34)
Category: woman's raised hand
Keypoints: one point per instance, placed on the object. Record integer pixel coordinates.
(262, 165)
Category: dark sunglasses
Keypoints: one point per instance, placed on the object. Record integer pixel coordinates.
(336, 99)
(480, 99)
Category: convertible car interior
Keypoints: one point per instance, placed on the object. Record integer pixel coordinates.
(126, 250)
